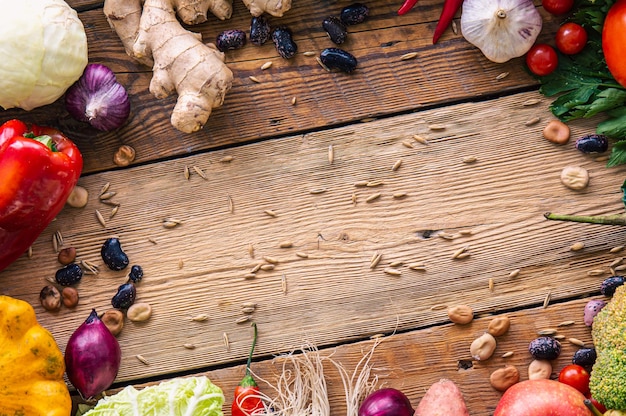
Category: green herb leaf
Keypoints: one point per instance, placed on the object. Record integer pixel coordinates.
(618, 154)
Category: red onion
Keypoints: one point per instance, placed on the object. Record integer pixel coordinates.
(386, 402)
(98, 99)
(92, 357)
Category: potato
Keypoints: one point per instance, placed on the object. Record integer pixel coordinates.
(442, 398)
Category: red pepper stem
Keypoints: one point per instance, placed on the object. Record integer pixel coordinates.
(450, 7)
(406, 6)
(249, 363)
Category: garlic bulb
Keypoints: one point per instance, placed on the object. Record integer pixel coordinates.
(501, 29)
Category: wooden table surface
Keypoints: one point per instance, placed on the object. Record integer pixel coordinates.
(322, 291)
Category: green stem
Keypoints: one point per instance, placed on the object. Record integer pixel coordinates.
(249, 363)
(589, 219)
(592, 408)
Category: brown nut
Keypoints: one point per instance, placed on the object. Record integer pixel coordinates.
(503, 378)
(67, 255)
(482, 348)
(539, 369)
(124, 156)
(139, 312)
(50, 298)
(556, 132)
(69, 296)
(78, 197)
(499, 325)
(461, 314)
(114, 320)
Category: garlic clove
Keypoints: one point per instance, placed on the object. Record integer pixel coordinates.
(501, 29)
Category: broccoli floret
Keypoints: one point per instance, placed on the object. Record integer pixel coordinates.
(608, 376)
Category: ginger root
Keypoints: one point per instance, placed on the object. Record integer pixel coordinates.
(181, 62)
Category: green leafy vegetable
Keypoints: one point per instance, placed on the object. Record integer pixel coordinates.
(177, 397)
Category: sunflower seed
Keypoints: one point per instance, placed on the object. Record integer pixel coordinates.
(616, 249)
(420, 139)
(399, 195)
(436, 127)
(189, 346)
(200, 172)
(249, 276)
(271, 260)
(567, 323)
(547, 332)
(142, 359)
(466, 232)
(248, 305)
(530, 102)
(254, 79)
(532, 121)
(375, 260)
(266, 65)
(226, 341)
(596, 272)
(360, 184)
(620, 268)
(200, 317)
(438, 307)
(270, 213)
(226, 159)
(243, 319)
(508, 354)
(408, 144)
(417, 266)
(576, 341)
(373, 184)
(105, 187)
(331, 154)
(407, 56)
(256, 268)
(396, 165)
(267, 267)
(171, 222)
(395, 264)
(392, 271)
(577, 246)
(114, 211)
(546, 300)
(502, 75)
(100, 218)
(317, 191)
(373, 197)
(469, 159)
(309, 53)
(459, 252)
(514, 273)
(186, 172)
(302, 255)
(285, 244)
(30, 252)
(463, 256)
(616, 262)
(294, 100)
(89, 267)
(247, 310)
(559, 337)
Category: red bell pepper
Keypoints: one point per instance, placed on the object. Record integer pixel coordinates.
(450, 7)
(247, 400)
(39, 168)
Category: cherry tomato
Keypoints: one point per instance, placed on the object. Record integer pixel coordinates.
(575, 376)
(571, 38)
(614, 41)
(557, 6)
(541, 59)
(597, 404)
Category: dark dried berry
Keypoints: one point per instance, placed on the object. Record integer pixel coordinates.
(125, 296)
(593, 143)
(69, 275)
(260, 30)
(230, 39)
(335, 58)
(544, 348)
(113, 255)
(283, 40)
(585, 357)
(335, 30)
(136, 273)
(354, 14)
(608, 286)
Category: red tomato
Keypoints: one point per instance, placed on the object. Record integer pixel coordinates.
(614, 41)
(575, 376)
(557, 6)
(571, 38)
(541, 59)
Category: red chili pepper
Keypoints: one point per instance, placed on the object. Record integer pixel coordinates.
(39, 169)
(408, 5)
(450, 7)
(247, 399)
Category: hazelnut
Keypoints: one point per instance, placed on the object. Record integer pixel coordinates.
(67, 255)
(50, 298)
(124, 156)
(70, 297)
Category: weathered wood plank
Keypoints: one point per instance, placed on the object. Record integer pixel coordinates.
(450, 71)
(333, 296)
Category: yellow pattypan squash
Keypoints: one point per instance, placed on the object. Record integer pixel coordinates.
(31, 365)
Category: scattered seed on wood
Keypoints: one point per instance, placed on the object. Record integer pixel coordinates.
(114, 211)
(469, 159)
(248, 305)
(302, 255)
(547, 332)
(256, 268)
(55, 242)
(459, 252)
(354, 198)
(267, 267)
(251, 250)
(399, 195)
(462, 256)
(100, 218)
(577, 246)
(436, 127)
(373, 197)
(559, 337)
(491, 284)
(200, 317)
(396, 263)
(360, 184)
(373, 184)
(271, 260)
(294, 101)
(375, 260)
(396, 165)
(420, 139)
(254, 79)
(105, 187)
(186, 172)
(283, 283)
(247, 309)
(107, 195)
(226, 341)
(446, 236)
(89, 267)
(567, 323)
(270, 213)
(502, 75)
(596, 272)
(285, 244)
(616, 262)
(391, 271)
(466, 232)
(417, 266)
(603, 158)
(200, 172)
(531, 102)
(576, 341)
(110, 203)
(189, 346)
(319, 61)
(142, 359)
(171, 222)
(514, 273)
(546, 300)
(266, 65)
(309, 53)
(620, 268)
(249, 276)
(532, 121)
(616, 249)
(226, 159)
(407, 56)
(438, 307)
(243, 319)
(30, 252)
(331, 154)
(408, 144)
(317, 191)
(180, 264)
(508, 354)
(152, 240)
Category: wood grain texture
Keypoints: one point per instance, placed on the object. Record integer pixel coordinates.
(450, 71)
(333, 296)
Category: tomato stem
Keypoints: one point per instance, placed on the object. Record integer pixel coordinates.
(249, 362)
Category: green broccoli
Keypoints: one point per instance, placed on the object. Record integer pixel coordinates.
(608, 376)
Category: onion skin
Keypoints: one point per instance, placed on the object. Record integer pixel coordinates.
(98, 99)
(92, 357)
(386, 402)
